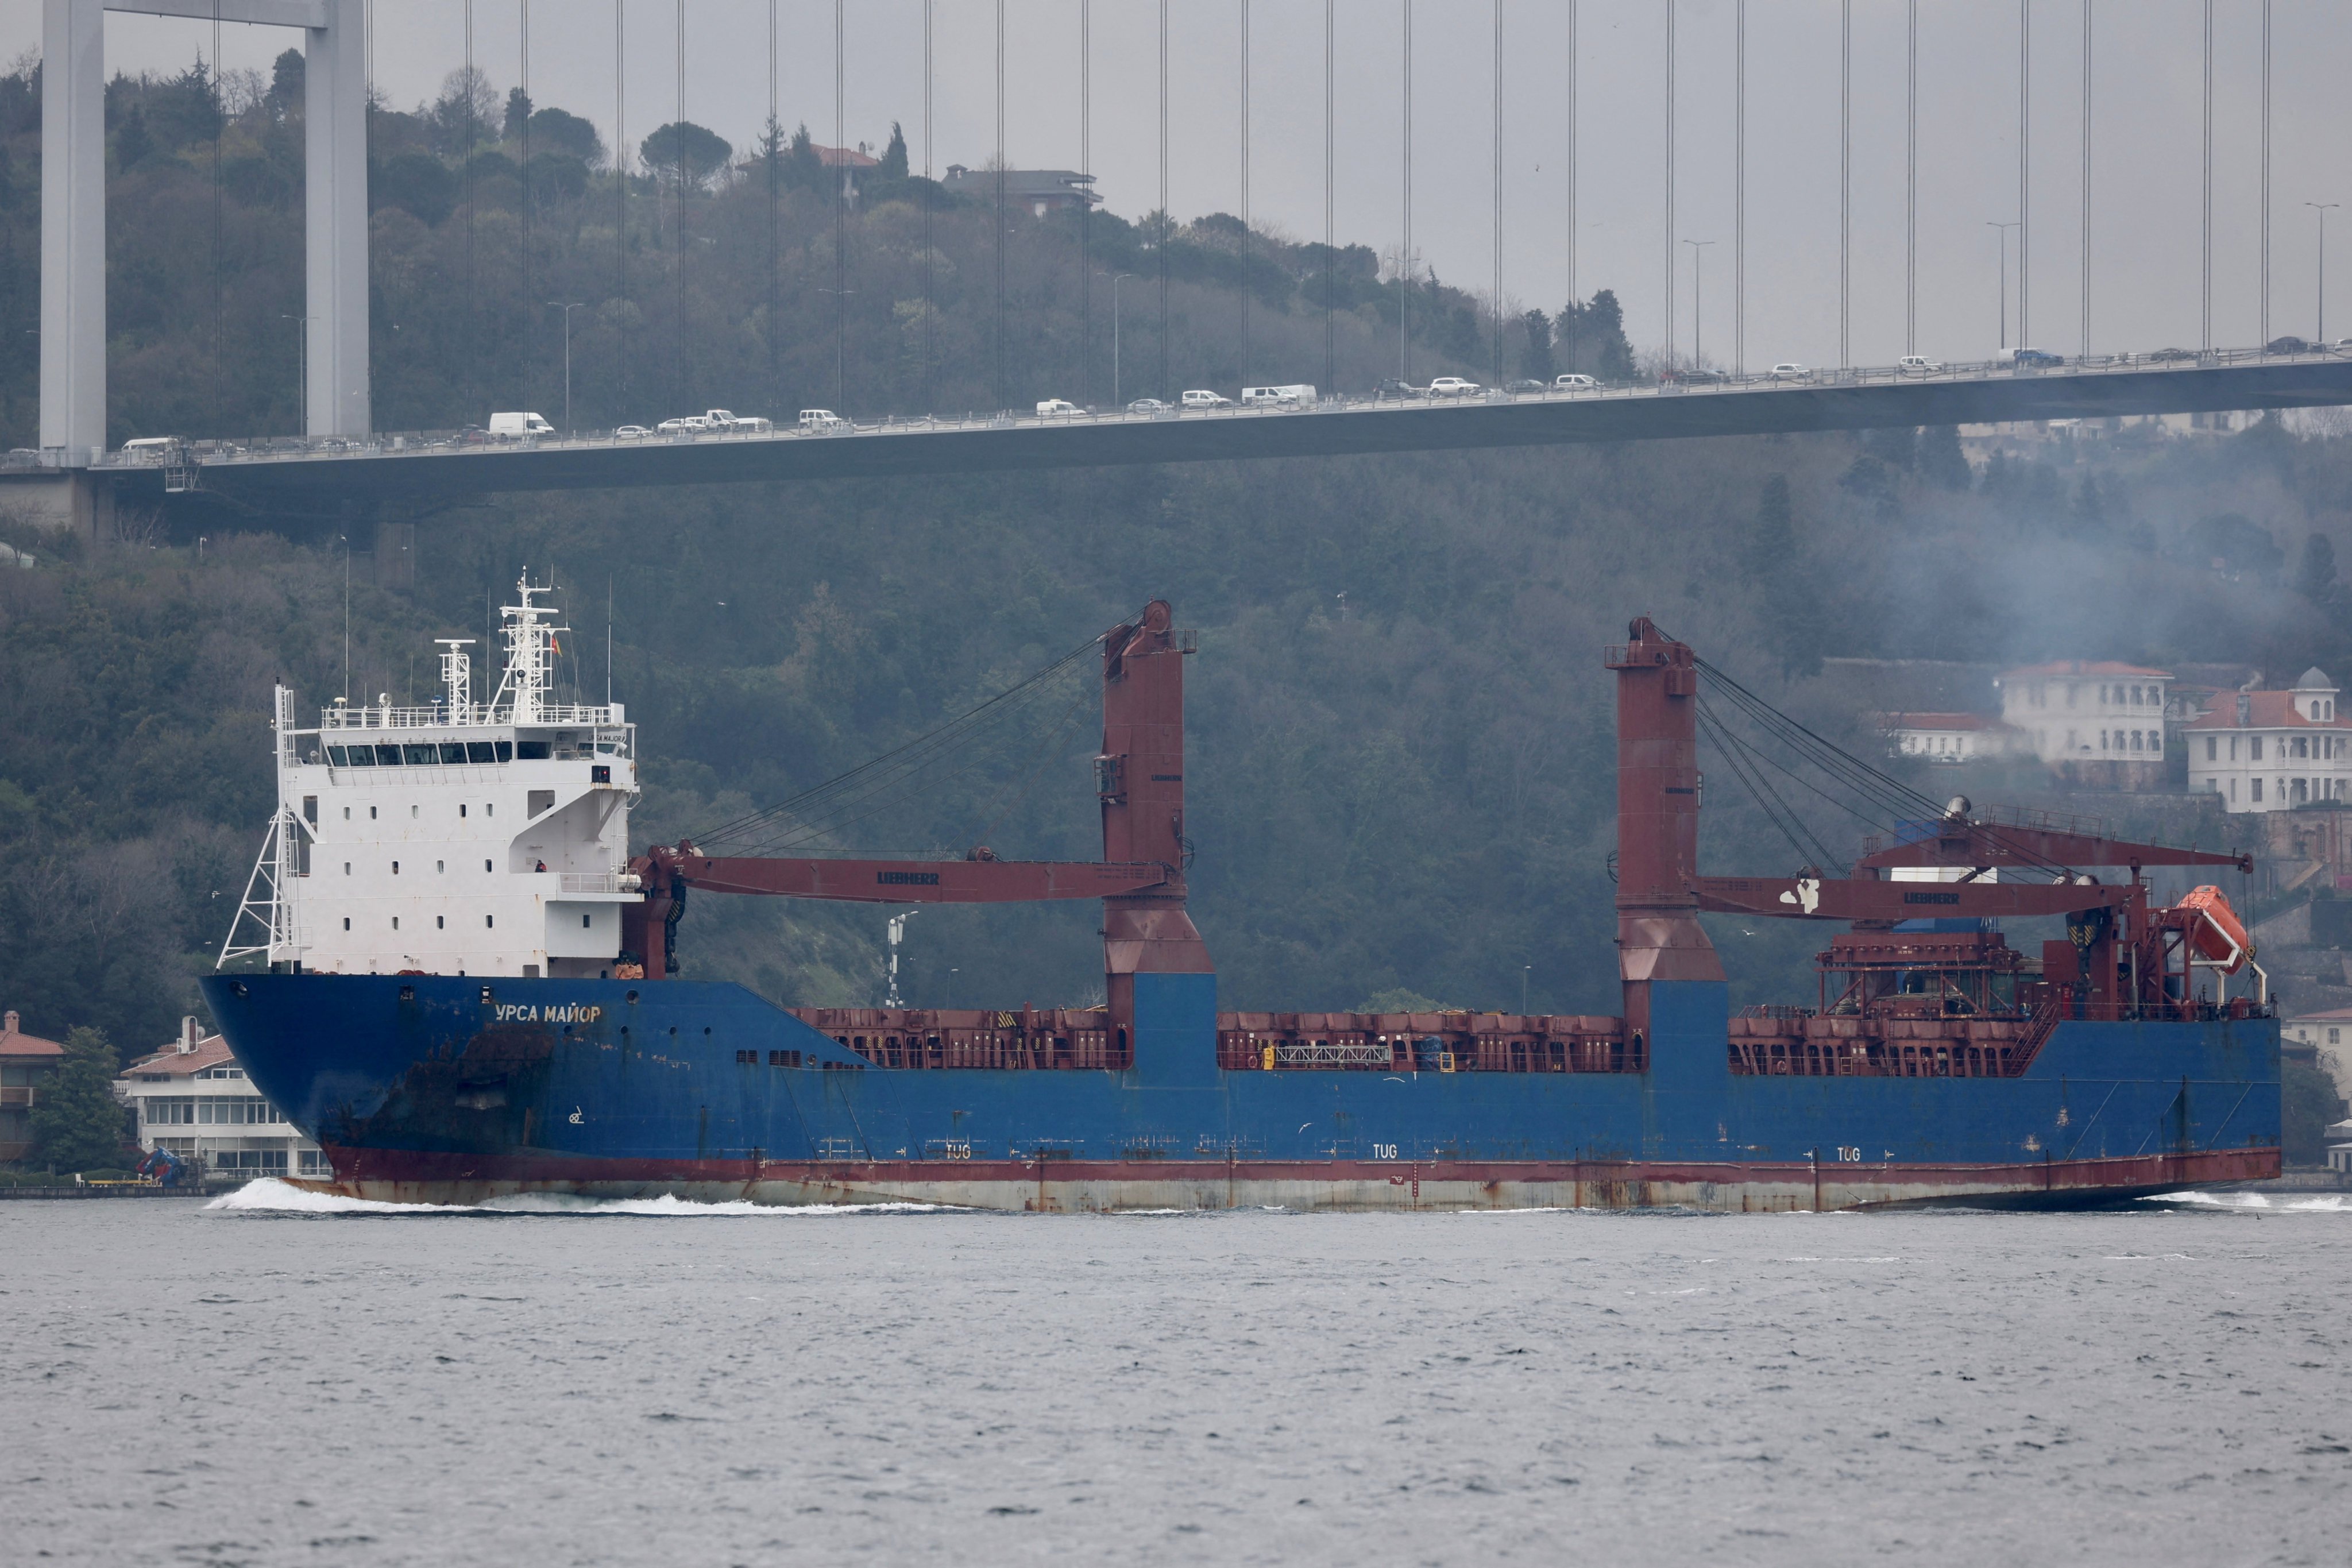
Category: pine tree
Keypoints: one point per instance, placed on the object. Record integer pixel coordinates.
(1534, 358)
(1773, 539)
(894, 156)
(77, 1123)
(1941, 461)
(2315, 578)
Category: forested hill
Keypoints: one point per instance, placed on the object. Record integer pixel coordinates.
(709, 277)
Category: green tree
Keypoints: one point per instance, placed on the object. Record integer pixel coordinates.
(1772, 538)
(519, 116)
(285, 79)
(1941, 461)
(894, 156)
(686, 151)
(1593, 335)
(2315, 578)
(77, 1125)
(1535, 356)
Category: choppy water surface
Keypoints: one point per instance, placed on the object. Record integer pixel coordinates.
(285, 1380)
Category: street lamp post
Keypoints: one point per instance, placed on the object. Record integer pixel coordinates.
(2004, 229)
(1698, 255)
(567, 309)
(2322, 209)
(1114, 338)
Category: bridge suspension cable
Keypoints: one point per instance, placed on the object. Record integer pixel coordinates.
(1846, 181)
(2024, 168)
(1667, 350)
(1330, 253)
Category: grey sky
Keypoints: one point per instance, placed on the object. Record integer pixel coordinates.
(2146, 137)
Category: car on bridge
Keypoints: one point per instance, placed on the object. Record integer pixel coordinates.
(1454, 386)
(820, 420)
(518, 427)
(686, 424)
(1573, 384)
(1918, 365)
(1149, 406)
(2288, 345)
(1523, 385)
(1398, 389)
(1790, 370)
(2025, 355)
(1052, 407)
(736, 424)
(631, 432)
(1198, 398)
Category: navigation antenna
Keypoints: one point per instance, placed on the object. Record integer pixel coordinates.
(458, 678)
(898, 935)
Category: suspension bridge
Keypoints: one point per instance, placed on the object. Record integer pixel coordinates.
(340, 457)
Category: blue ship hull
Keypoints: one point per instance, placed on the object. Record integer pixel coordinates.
(448, 1090)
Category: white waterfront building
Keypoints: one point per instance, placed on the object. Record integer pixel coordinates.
(2272, 750)
(194, 1099)
(461, 837)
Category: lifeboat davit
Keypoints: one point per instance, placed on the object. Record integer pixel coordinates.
(2217, 934)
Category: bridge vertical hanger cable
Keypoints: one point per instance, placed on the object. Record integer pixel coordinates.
(2085, 224)
(220, 126)
(1404, 242)
(2267, 171)
(996, 336)
(1739, 188)
(621, 186)
(1496, 177)
(2205, 297)
(1911, 178)
(1245, 193)
(1086, 204)
(772, 140)
(930, 270)
(2024, 165)
(677, 226)
(522, 75)
(473, 329)
(1330, 256)
(1167, 223)
(1845, 182)
(1575, 306)
(1667, 350)
(841, 214)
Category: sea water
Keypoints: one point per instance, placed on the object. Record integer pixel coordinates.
(279, 1378)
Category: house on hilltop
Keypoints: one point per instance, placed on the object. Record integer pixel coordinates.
(1042, 191)
(2273, 751)
(194, 1099)
(28, 1063)
(2097, 724)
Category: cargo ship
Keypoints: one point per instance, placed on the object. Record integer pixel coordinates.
(452, 972)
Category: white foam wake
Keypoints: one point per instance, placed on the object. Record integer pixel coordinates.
(270, 1195)
(2285, 1203)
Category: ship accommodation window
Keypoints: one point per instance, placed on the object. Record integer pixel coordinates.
(480, 751)
(440, 922)
(530, 751)
(412, 813)
(453, 750)
(422, 756)
(396, 867)
(583, 926)
(486, 864)
(335, 756)
(387, 756)
(461, 809)
(538, 800)
(440, 865)
(371, 814)
(347, 923)
(490, 808)
(347, 868)
(488, 921)
(310, 809)
(395, 922)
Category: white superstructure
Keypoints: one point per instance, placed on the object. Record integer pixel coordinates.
(458, 838)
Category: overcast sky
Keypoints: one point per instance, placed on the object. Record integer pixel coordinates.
(2147, 157)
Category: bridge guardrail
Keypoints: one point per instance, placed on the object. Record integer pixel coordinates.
(213, 452)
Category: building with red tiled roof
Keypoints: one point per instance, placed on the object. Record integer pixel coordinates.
(2273, 751)
(194, 1100)
(26, 1063)
(2098, 724)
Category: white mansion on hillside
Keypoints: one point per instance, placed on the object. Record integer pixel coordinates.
(2268, 750)
(2099, 724)
(194, 1099)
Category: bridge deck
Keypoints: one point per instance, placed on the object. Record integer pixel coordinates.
(1833, 401)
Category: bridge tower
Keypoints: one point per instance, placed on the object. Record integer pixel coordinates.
(73, 211)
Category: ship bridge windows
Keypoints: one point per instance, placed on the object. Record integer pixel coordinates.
(530, 751)
(421, 756)
(453, 750)
(489, 750)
